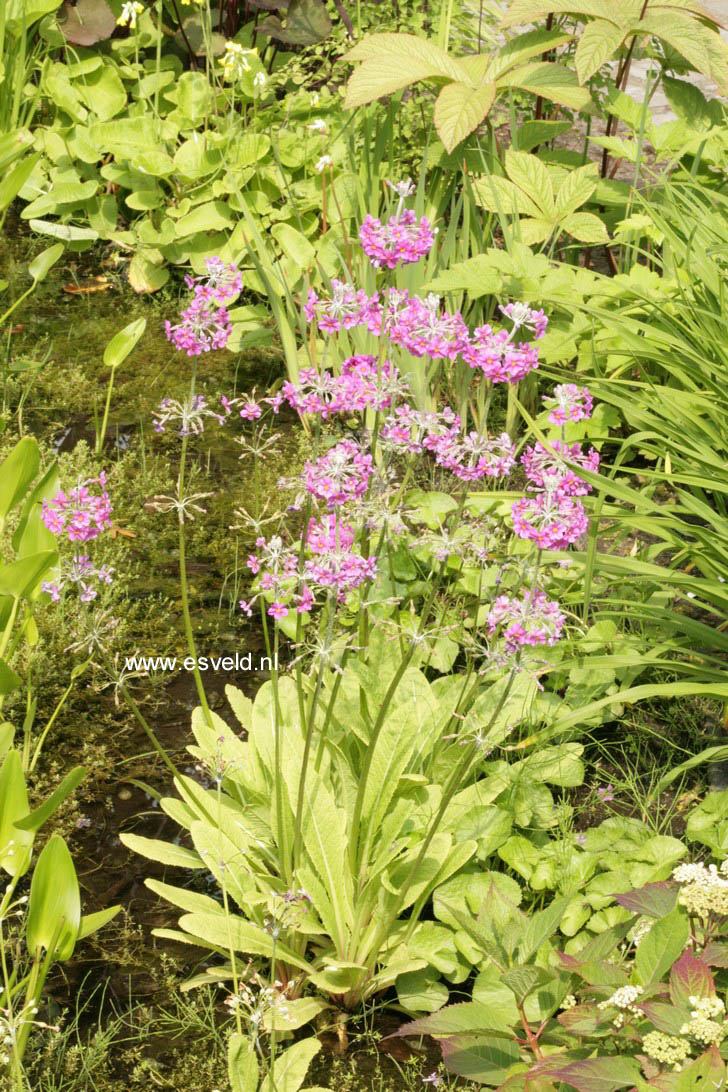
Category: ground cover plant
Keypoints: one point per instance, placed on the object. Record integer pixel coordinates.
(362, 546)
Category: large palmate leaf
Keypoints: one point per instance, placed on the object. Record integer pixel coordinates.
(390, 62)
(684, 26)
(545, 198)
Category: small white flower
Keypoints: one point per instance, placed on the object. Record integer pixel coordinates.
(259, 79)
(315, 98)
(317, 126)
(324, 162)
(129, 13)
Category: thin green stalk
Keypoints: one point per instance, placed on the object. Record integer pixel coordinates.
(187, 618)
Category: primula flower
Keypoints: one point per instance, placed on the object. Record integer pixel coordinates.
(81, 574)
(416, 431)
(222, 283)
(188, 415)
(401, 241)
(234, 61)
(340, 475)
(549, 471)
(79, 514)
(347, 307)
(474, 456)
(521, 315)
(552, 521)
(364, 383)
(128, 14)
(423, 329)
(498, 357)
(531, 620)
(203, 327)
(569, 403)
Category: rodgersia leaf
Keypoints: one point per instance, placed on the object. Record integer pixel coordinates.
(459, 110)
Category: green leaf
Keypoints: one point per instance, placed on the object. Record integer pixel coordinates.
(532, 178)
(14, 180)
(551, 81)
(485, 1058)
(294, 245)
(212, 216)
(499, 195)
(229, 930)
(35, 820)
(393, 61)
(17, 472)
(103, 92)
(42, 264)
(242, 1064)
(54, 907)
(655, 900)
(688, 102)
(164, 852)
(91, 923)
(690, 977)
(525, 979)
(459, 110)
(599, 1074)
(31, 536)
(146, 274)
(21, 578)
(598, 42)
(466, 1017)
(21, 14)
(295, 1014)
(576, 189)
(421, 990)
(586, 227)
(193, 96)
(659, 949)
(15, 846)
(705, 1074)
(290, 1067)
(68, 232)
(122, 343)
(9, 681)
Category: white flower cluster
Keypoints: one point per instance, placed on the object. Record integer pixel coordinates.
(623, 998)
(641, 930)
(668, 1049)
(569, 1002)
(703, 890)
(704, 1016)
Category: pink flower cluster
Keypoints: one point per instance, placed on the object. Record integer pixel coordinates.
(554, 518)
(551, 520)
(205, 322)
(401, 241)
(348, 307)
(364, 383)
(203, 327)
(550, 472)
(81, 574)
(341, 475)
(419, 326)
(568, 402)
(499, 359)
(474, 456)
(332, 566)
(79, 514)
(531, 620)
(416, 431)
(223, 282)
